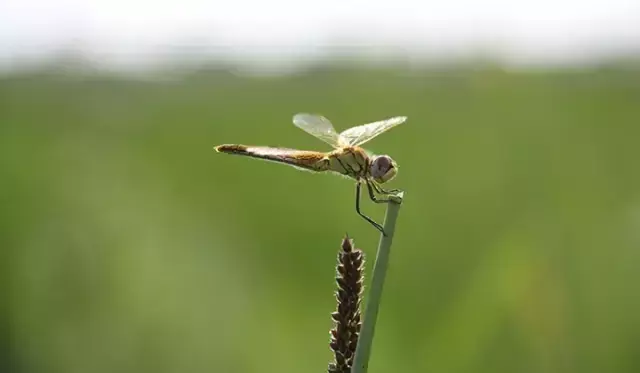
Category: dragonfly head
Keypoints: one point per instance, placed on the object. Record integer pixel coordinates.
(383, 169)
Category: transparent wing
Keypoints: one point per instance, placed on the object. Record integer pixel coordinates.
(359, 135)
(319, 127)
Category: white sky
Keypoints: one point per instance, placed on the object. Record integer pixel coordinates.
(126, 31)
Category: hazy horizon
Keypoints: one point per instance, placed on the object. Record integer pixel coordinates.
(285, 34)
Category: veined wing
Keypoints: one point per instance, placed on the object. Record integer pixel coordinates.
(319, 127)
(359, 135)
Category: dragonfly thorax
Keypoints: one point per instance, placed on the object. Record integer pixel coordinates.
(356, 163)
(383, 168)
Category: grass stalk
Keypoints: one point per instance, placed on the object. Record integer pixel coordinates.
(365, 340)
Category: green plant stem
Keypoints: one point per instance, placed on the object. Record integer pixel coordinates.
(365, 340)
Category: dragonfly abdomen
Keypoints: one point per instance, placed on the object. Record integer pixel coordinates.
(308, 160)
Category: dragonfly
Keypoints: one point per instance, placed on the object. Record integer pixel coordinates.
(347, 158)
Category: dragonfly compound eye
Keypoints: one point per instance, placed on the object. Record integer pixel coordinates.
(383, 169)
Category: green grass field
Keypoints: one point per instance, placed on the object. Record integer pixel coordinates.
(129, 245)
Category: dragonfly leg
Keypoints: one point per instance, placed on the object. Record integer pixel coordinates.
(371, 187)
(392, 191)
(380, 190)
(376, 225)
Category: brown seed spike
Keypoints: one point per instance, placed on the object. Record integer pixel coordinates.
(347, 244)
(347, 319)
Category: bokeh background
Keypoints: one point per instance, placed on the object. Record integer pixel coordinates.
(129, 245)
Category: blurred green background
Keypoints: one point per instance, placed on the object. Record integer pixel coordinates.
(129, 245)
